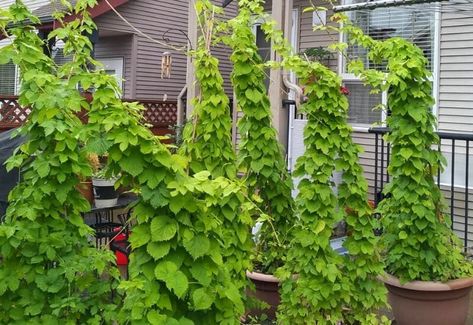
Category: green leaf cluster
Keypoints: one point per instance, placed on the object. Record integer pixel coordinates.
(319, 286)
(207, 138)
(260, 154)
(47, 265)
(190, 234)
(417, 237)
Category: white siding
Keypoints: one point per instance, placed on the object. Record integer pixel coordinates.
(456, 71)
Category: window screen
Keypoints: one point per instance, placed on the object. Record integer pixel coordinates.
(362, 103)
(7, 79)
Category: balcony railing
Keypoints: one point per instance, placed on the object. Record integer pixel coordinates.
(161, 115)
(455, 181)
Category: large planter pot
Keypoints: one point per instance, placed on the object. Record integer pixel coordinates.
(267, 290)
(105, 194)
(429, 303)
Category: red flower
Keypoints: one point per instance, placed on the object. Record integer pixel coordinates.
(344, 90)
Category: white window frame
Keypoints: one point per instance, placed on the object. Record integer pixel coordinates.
(384, 98)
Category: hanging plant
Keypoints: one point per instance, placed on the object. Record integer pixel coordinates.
(49, 271)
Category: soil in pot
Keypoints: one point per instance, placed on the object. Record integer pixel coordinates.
(104, 192)
(266, 290)
(429, 303)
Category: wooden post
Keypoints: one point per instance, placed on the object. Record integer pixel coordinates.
(192, 33)
(282, 14)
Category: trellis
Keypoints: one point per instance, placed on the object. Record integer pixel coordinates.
(160, 115)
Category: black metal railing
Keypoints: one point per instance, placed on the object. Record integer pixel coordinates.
(454, 182)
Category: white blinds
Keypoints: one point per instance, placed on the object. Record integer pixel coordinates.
(7, 79)
(415, 23)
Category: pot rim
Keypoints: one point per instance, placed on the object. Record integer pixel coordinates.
(427, 285)
(262, 277)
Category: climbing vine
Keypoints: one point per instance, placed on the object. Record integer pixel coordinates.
(418, 241)
(47, 264)
(333, 288)
(260, 154)
(179, 268)
(207, 138)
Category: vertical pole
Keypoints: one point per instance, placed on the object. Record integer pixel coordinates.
(192, 33)
(282, 13)
(452, 185)
(467, 169)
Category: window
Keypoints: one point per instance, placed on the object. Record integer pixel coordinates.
(415, 23)
(114, 67)
(8, 79)
(264, 48)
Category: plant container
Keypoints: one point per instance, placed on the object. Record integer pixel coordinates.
(87, 191)
(429, 303)
(266, 290)
(105, 194)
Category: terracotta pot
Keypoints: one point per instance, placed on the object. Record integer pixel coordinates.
(267, 290)
(429, 303)
(85, 188)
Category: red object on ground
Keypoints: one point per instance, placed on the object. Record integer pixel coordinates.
(121, 240)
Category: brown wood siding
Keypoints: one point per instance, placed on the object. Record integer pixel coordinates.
(117, 47)
(154, 18)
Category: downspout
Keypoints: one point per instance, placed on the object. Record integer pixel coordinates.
(298, 93)
(181, 106)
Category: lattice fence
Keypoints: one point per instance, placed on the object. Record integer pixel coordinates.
(161, 115)
(11, 113)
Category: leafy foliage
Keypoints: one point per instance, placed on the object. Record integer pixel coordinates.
(418, 241)
(49, 271)
(260, 154)
(208, 146)
(181, 259)
(207, 140)
(319, 285)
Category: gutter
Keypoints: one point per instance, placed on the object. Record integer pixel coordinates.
(290, 119)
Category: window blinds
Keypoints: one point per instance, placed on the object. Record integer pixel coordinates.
(7, 79)
(415, 23)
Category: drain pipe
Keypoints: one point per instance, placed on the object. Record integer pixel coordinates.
(298, 93)
(181, 107)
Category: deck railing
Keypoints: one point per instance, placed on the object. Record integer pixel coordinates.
(455, 181)
(161, 115)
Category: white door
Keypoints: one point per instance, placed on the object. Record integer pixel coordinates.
(114, 67)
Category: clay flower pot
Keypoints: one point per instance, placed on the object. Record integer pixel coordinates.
(267, 290)
(429, 303)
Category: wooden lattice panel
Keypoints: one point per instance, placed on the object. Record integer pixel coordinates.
(11, 112)
(159, 113)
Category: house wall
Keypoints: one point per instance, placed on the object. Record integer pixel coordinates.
(456, 71)
(153, 18)
(118, 47)
(308, 38)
